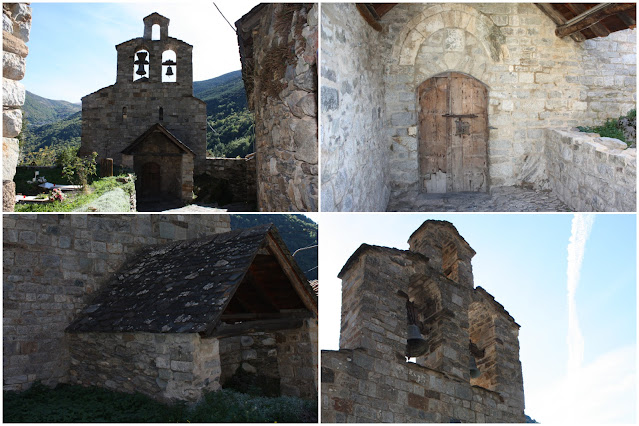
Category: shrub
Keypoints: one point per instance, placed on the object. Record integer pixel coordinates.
(77, 169)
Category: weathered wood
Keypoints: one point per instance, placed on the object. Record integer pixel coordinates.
(598, 29)
(296, 280)
(452, 160)
(558, 19)
(591, 17)
(225, 330)
(627, 19)
(368, 17)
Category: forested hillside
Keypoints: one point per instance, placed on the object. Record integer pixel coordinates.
(54, 125)
(39, 110)
(296, 230)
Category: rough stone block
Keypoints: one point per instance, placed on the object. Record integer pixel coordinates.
(10, 153)
(13, 93)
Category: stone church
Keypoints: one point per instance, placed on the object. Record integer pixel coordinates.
(149, 120)
(419, 342)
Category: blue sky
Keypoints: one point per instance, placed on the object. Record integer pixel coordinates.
(72, 45)
(522, 261)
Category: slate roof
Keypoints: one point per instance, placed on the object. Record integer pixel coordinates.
(157, 128)
(181, 287)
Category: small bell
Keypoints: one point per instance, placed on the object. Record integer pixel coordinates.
(416, 344)
(141, 62)
(169, 71)
(140, 70)
(474, 371)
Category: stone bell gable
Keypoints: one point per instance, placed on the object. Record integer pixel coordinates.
(462, 331)
(168, 322)
(154, 85)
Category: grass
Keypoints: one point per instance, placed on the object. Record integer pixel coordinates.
(73, 403)
(611, 128)
(77, 200)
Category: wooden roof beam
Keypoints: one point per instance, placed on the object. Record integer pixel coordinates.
(598, 29)
(627, 19)
(558, 19)
(591, 17)
(368, 16)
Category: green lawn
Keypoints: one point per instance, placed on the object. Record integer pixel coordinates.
(72, 403)
(75, 200)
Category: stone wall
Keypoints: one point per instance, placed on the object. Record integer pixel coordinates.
(54, 264)
(238, 173)
(287, 355)
(16, 26)
(589, 173)
(165, 366)
(369, 378)
(355, 151)
(358, 387)
(278, 49)
(535, 81)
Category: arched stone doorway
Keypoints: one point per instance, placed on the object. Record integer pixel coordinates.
(453, 134)
(151, 179)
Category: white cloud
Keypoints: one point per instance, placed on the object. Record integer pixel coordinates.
(603, 391)
(581, 226)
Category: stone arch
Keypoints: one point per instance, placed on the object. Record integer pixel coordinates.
(440, 16)
(169, 66)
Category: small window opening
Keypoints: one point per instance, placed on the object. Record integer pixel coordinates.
(169, 67)
(161, 114)
(123, 113)
(450, 262)
(141, 65)
(155, 32)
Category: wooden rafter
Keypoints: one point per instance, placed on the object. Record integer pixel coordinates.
(558, 19)
(598, 29)
(591, 17)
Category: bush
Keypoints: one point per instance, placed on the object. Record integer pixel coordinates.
(73, 403)
(77, 169)
(623, 128)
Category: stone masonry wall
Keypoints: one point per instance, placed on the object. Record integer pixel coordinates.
(535, 81)
(16, 26)
(591, 174)
(360, 387)
(280, 76)
(165, 366)
(54, 264)
(239, 173)
(355, 151)
(289, 355)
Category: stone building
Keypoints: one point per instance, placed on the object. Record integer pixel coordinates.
(149, 119)
(421, 303)
(444, 97)
(16, 26)
(90, 299)
(278, 48)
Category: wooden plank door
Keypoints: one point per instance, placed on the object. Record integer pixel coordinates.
(453, 134)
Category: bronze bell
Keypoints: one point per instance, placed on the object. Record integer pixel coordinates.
(474, 371)
(141, 62)
(169, 71)
(416, 344)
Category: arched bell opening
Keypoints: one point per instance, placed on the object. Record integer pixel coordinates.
(141, 65)
(169, 66)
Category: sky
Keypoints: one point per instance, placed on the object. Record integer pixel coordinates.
(72, 45)
(577, 347)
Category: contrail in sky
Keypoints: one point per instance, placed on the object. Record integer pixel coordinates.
(581, 226)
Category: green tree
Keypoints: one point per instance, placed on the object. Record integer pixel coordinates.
(77, 169)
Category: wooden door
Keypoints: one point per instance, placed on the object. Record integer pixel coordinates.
(150, 179)
(453, 134)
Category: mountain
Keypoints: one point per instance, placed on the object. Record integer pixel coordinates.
(39, 110)
(223, 95)
(58, 123)
(296, 230)
(41, 144)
